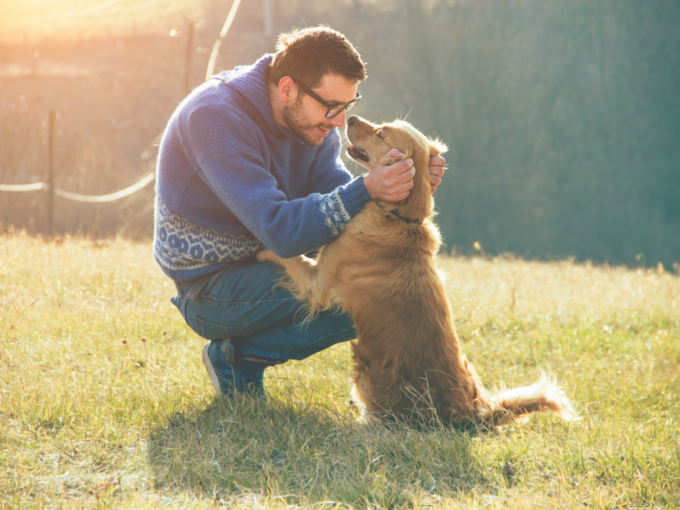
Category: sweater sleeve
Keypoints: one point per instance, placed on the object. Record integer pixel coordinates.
(233, 166)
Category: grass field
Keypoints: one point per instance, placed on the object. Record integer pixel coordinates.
(104, 401)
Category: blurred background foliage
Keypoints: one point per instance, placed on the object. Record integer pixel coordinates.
(562, 116)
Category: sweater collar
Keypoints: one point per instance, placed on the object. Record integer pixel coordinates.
(251, 82)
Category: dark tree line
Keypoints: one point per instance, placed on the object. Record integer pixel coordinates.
(563, 120)
(562, 116)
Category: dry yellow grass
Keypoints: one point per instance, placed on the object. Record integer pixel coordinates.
(493, 289)
(104, 401)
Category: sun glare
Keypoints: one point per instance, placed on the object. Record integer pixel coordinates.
(31, 20)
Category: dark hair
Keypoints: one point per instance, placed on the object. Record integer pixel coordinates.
(311, 53)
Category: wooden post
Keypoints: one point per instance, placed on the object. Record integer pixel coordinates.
(34, 64)
(267, 15)
(189, 56)
(50, 173)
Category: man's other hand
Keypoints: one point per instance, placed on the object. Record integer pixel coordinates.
(436, 168)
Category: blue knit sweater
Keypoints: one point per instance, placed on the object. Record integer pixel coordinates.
(231, 181)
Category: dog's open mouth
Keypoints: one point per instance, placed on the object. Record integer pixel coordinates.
(357, 153)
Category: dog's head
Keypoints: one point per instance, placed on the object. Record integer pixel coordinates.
(369, 144)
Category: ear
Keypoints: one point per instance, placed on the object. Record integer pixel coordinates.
(387, 161)
(288, 91)
(390, 160)
(437, 147)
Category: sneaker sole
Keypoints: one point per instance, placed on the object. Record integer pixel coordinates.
(211, 371)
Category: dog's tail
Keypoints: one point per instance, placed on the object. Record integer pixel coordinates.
(516, 404)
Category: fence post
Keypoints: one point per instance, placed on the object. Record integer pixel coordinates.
(267, 16)
(189, 56)
(50, 173)
(34, 64)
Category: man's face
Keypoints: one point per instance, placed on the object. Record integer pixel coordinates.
(307, 117)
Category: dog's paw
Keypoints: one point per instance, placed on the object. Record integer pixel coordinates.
(267, 255)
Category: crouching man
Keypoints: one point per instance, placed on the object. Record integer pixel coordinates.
(251, 159)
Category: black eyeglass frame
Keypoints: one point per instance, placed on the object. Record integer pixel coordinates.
(342, 106)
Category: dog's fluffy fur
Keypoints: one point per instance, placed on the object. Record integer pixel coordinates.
(408, 359)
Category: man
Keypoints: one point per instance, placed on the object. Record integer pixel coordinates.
(250, 159)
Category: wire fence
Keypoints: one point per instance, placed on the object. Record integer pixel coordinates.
(53, 191)
(23, 187)
(150, 175)
(148, 178)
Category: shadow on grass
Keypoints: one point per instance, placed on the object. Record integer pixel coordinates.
(302, 455)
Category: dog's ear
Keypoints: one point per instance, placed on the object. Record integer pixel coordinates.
(437, 147)
(389, 160)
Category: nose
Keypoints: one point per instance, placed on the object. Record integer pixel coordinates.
(352, 120)
(339, 119)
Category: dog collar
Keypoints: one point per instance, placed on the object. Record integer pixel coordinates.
(396, 214)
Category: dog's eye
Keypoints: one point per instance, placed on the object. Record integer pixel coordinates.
(379, 133)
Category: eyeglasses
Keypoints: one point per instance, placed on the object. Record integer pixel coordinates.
(333, 109)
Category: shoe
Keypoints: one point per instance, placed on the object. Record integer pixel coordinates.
(229, 378)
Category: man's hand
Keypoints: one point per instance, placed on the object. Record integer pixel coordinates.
(436, 168)
(391, 183)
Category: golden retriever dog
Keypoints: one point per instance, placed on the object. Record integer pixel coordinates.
(381, 269)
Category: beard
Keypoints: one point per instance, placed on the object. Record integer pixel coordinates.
(298, 124)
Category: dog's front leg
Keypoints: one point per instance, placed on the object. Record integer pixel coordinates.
(303, 279)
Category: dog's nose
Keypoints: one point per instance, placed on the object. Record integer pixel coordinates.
(352, 120)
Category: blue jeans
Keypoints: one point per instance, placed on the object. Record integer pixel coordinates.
(264, 323)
